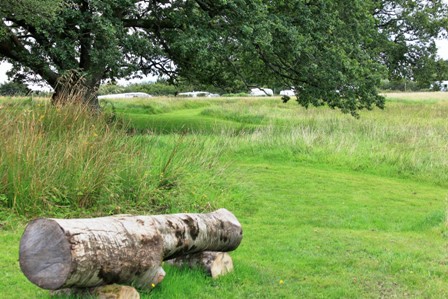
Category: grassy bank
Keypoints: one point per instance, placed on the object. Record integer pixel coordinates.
(331, 206)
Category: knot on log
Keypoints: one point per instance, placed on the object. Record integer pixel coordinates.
(82, 253)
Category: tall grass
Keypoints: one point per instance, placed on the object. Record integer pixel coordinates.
(161, 105)
(404, 140)
(47, 152)
(68, 159)
(52, 158)
(407, 139)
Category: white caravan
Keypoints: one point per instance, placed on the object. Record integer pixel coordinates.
(288, 92)
(125, 95)
(261, 92)
(195, 94)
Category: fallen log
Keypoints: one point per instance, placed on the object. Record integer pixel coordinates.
(81, 253)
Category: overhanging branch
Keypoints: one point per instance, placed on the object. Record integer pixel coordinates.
(12, 48)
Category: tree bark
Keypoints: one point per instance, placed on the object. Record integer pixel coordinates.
(80, 253)
(73, 87)
(72, 93)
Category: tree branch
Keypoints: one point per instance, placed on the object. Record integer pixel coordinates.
(149, 24)
(85, 39)
(42, 41)
(12, 48)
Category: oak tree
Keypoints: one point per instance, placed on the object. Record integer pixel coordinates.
(332, 52)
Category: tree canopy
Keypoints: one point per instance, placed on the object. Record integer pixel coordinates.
(332, 52)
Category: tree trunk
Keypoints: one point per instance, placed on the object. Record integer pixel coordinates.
(87, 96)
(74, 88)
(80, 253)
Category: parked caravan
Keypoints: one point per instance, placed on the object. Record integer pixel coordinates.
(261, 92)
(125, 95)
(287, 92)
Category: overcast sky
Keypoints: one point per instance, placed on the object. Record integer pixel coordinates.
(441, 44)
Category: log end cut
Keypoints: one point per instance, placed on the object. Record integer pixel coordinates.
(45, 255)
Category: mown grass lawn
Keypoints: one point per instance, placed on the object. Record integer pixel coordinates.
(331, 206)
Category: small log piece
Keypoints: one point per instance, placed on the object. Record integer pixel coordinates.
(116, 292)
(213, 263)
(83, 253)
(111, 291)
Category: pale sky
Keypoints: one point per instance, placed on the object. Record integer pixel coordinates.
(4, 67)
(442, 46)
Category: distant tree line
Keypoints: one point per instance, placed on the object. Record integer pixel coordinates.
(424, 76)
(14, 88)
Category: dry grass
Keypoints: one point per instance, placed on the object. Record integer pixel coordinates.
(417, 96)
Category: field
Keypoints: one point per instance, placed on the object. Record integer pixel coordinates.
(331, 206)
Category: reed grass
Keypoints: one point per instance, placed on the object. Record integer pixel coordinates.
(407, 139)
(67, 159)
(404, 140)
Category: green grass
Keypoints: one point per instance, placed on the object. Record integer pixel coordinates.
(331, 206)
(330, 234)
(182, 121)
